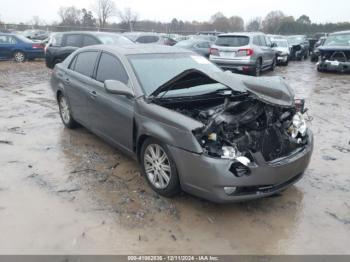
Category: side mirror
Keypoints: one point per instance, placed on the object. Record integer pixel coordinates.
(117, 88)
(273, 45)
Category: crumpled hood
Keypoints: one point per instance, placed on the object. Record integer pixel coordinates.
(271, 90)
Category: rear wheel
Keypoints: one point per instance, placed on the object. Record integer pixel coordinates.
(273, 66)
(65, 112)
(159, 168)
(19, 57)
(257, 68)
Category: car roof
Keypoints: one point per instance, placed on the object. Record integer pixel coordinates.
(241, 34)
(341, 32)
(88, 33)
(138, 49)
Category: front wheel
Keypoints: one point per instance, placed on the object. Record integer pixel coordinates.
(159, 168)
(19, 57)
(65, 112)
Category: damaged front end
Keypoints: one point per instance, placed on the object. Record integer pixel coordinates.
(238, 126)
(260, 117)
(334, 59)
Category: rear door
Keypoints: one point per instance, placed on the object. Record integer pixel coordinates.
(7, 46)
(266, 51)
(112, 115)
(79, 85)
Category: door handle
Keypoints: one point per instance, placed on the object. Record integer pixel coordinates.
(67, 80)
(93, 94)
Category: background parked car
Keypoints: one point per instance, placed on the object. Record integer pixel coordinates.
(315, 52)
(62, 45)
(335, 53)
(283, 51)
(19, 48)
(299, 47)
(36, 34)
(150, 38)
(199, 46)
(244, 52)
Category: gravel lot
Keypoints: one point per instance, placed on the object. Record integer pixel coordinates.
(68, 192)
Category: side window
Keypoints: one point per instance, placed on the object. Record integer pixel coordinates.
(262, 40)
(5, 40)
(268, 41)
(73, 40)
(85, 63)
(89, 40)
(256, 41)
(110, 68)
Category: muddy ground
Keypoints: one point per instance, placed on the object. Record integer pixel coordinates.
(64, 191)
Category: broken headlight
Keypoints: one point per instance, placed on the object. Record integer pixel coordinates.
(298, 125)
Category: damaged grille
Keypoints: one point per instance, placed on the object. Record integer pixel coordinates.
(243, 124)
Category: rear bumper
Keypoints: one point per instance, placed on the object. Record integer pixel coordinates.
(334, 66)
(234, 65)
(206, 177)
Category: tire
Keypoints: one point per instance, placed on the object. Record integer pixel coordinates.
(19, 56)
(161, 172)
(257, 68)
(286, 63)
(273, 66)
(65, 113)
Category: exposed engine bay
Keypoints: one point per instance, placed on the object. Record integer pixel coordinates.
(237, 125)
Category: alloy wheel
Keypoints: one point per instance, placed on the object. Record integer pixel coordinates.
(64, 110)
(157, 166)
(19, 57)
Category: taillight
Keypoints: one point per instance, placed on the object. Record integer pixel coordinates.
(214, 51)
(37, 46)
(245, 52)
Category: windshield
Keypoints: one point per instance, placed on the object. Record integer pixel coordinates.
(114, 39)
(338, 40)
(233, 41)
(281, 43)
(154, 70)
(296, 39)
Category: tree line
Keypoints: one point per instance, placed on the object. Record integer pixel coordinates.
(275, 22)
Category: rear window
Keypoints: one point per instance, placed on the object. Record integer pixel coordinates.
(56, 40)
(232, 41)
(147, 39)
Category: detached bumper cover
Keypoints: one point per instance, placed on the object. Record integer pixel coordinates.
(334, 66)
(206, 177)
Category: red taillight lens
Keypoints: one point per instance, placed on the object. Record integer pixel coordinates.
(245, 52)
(214, 51)
(37, 46)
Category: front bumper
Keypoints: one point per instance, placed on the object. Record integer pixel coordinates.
(206, 177)
(282, 59)
(334, 66)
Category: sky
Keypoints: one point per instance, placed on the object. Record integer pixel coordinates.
(15, 11)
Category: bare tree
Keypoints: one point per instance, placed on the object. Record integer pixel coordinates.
(254, 25)
(104, 9)
(129, 18)
(69, 15)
